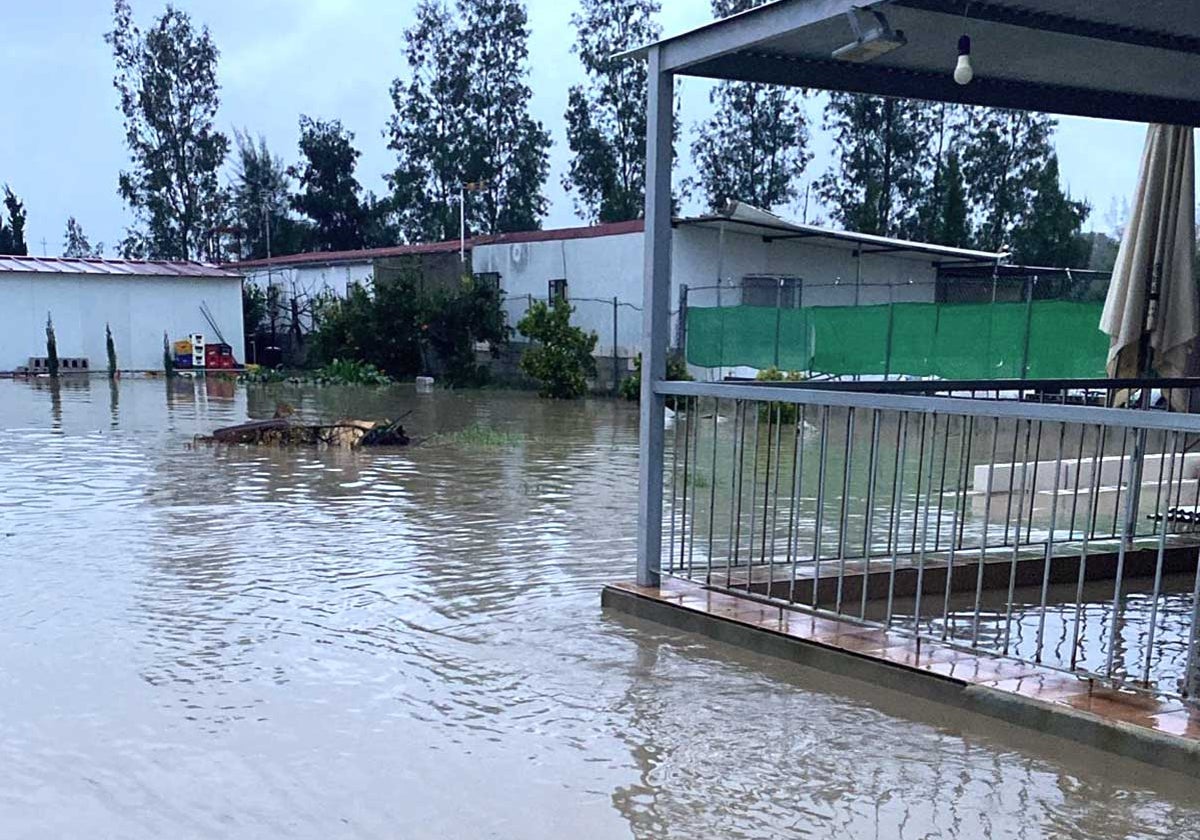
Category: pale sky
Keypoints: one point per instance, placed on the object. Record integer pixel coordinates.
(61, 141)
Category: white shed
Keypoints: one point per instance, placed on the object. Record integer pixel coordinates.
(139, 301)
(742, 255)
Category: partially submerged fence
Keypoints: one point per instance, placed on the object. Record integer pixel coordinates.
(1041, 330)
(1053, 534)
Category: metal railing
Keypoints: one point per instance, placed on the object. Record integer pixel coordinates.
(1056, 534)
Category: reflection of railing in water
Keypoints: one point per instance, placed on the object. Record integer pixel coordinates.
(914, 513)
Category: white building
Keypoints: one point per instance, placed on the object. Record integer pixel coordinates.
(740, 256)
(139, 301)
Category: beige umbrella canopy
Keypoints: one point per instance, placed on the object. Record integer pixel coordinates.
(1153, 292)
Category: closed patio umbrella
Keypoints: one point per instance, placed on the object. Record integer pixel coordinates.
(1152, 313)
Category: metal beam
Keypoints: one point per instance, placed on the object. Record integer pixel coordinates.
(1050, 22)
(749, 29)
(656, 317)
(1119, 418)
(882, 80)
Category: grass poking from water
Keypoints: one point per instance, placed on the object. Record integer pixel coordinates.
(478, 435)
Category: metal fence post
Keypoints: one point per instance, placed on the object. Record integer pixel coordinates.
(656, 318)
(616, 386)
(778, 317)
(1030, 282)
(681, 324)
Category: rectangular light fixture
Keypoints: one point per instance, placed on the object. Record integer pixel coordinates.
(870, 41)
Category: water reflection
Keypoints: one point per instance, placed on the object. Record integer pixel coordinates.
(238, 642)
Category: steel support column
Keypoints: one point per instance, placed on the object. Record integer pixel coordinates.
(656, 319)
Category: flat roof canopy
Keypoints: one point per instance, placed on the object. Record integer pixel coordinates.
(1135, 60)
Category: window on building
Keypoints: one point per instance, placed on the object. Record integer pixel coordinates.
(771, 290)
(558, 290)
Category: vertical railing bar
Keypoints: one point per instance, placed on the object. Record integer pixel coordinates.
(1097, 466)
(817, 539)
(1016, 546)
(674, 498)
(1097, 459)
(1158, 571)
(1130, 507)
(1191, 668)
(1075, 495)
(735, 513)
(691, 558)
(897, 503)
(775, 508)
(712, 493)
(753, 496)
(923, 553)
(964, 465)
(1012, 477)
(842, 524)
(1120, 480)
(937, 532)
(797, 487)
(893, 521)
(1049, 556)
(983, 544)
(685, 522)
(1037, 457)
(868, 526)
(920, 476)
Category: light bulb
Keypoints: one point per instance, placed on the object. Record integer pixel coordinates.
(963, 71)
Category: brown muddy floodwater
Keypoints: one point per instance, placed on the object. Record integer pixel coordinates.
(237, 643)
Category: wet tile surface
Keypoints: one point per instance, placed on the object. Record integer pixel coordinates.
(1059, 689)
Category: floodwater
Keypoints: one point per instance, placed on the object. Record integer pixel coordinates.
(235, 643)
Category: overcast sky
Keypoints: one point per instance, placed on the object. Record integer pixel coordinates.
(61, 143)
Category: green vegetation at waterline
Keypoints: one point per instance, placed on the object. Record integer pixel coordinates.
(478, 435)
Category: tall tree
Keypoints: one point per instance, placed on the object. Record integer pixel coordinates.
(1004, 154)
(12, 232)
(167, 81)
(606, 118)
(427, 128)
(261, 201)
(463, 117)
(76, 243)
(950, 220)
(1050, 231)
(755, 146)
(330, 196)
(883, 163)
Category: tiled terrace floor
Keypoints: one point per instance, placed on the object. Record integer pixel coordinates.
(1160, 715)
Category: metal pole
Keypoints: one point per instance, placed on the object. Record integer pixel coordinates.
(1029, 284)
(656, 322)
(681, 324)
(778, 316)
(616, 357)
(462, 223)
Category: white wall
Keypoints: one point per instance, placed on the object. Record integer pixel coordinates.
(138, 309)
(596, 270)
(608, 266)
(313, 280)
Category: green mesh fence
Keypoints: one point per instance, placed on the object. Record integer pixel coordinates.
(1047, 339)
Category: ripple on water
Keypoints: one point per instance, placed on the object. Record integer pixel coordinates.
(218, 642)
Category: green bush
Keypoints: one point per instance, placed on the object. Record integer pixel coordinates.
(631, 388)
(783, 412)
(346, 372)
(405, 330)
(561, 359)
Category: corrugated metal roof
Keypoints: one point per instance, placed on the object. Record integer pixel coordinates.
(449, 246)
(132, 268)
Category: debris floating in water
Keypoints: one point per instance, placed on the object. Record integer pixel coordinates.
(280, 431)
